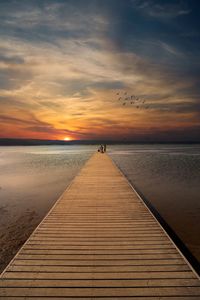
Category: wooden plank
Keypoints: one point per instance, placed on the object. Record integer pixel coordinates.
(99, 244)
(92, 276)
(97, 239)
(109, 231)
(98, 252)
(104, 298)
(92, 262)
(103, 292)
(94, 268)
(98, 248)
(101, 283)
(120, 256)
(96, 235)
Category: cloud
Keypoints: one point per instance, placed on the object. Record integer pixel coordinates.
(11, 60)
(172, 50)
(158, 9)
(60, 67)
(46, 20)
(27, 118)
(33, 125)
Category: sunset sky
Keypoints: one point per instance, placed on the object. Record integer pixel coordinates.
(62, 63)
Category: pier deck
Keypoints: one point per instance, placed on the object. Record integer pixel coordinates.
(99, 241)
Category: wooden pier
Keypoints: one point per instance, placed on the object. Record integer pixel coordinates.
(99, 241)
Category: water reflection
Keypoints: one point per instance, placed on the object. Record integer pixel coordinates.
(31, 180)
(168, 176)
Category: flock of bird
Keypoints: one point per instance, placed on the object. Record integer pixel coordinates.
(134, 100)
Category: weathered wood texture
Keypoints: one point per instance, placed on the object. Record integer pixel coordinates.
(99, 241)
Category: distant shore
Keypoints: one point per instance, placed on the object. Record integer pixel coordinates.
(37, 142)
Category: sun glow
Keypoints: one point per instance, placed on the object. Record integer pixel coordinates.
(67, 138)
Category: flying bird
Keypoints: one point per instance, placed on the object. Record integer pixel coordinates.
(132, 99)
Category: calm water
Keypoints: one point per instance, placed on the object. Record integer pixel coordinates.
(32, 179)
(169, 177)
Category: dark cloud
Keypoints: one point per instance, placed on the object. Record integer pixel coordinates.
(49, 19)
(182, 107)
(11, 59)
(187, 133)
(13, 77)
(154, 134)
(34, 125)
(13, 120)
(162, 9)
(77, 114)
(50, 104)
(51, 130)
(108, 85)
(27, 119)
(104, 122)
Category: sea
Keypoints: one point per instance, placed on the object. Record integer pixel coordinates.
(33, 177)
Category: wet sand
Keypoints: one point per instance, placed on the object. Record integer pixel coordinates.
(15, 235)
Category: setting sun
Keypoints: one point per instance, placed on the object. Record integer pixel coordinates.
(67, 138)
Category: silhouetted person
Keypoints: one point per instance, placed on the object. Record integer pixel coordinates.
(104, 148)
(101, 148)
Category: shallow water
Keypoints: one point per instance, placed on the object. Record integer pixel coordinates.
(33, 177)
(31, 180)
(169, 178)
